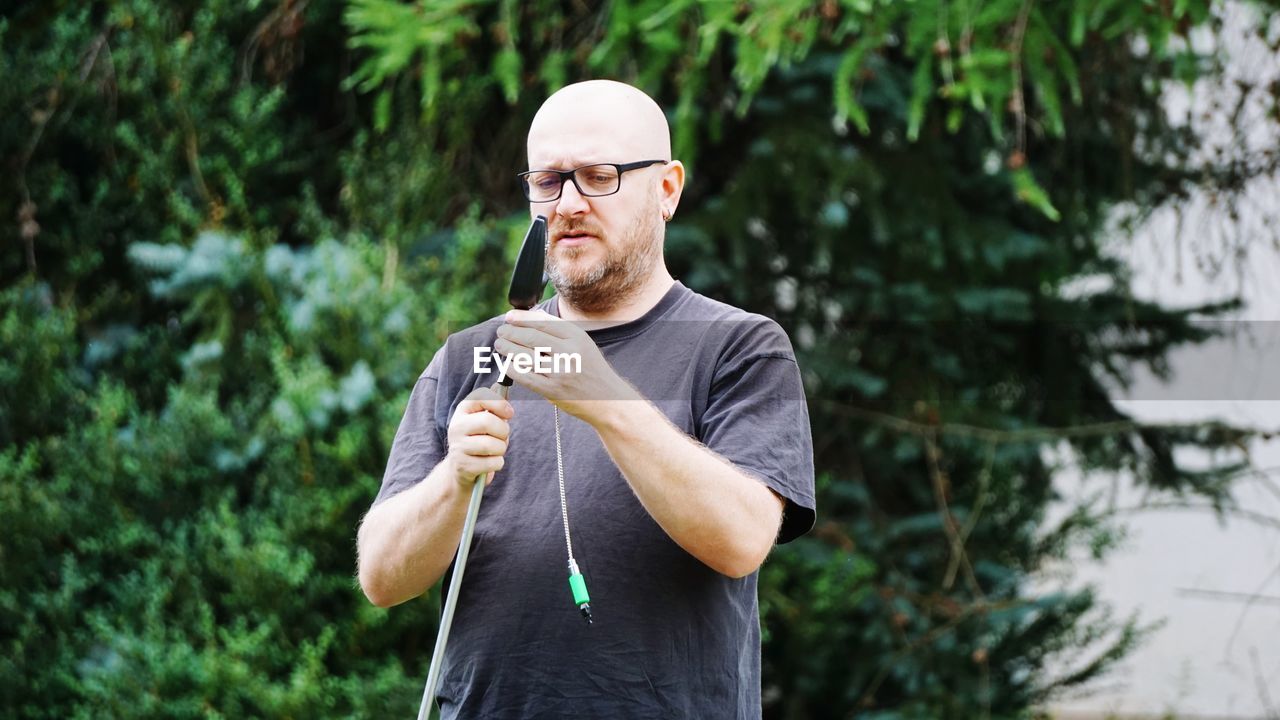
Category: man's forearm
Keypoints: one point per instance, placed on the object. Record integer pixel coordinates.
(406, 542)
(713, 510)
(717, 513)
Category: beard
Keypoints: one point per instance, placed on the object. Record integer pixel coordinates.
(619, 275)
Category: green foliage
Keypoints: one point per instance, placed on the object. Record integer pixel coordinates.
(238, 231)
(187, 557)
(39, 345)
(962, 53)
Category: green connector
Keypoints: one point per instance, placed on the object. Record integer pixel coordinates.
(579, 587)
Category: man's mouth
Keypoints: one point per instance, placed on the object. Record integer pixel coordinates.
(574, 239)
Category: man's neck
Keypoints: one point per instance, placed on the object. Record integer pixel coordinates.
(627, 309)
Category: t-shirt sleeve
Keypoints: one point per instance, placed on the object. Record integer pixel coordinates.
(757, 419)
(419, 444)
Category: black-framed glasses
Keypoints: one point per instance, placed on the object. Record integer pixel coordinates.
(591, 180)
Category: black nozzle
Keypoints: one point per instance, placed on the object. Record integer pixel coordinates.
(528, 277)
(528, 280)
(585, 609)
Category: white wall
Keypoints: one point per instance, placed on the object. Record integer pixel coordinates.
(1216, 655)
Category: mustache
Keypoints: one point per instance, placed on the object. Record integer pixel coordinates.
(567, 229)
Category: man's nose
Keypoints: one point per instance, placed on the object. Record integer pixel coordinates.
(571, 201)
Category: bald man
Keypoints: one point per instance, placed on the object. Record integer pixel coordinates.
(681, 441)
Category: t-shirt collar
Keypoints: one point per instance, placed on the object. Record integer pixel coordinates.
(603, 335)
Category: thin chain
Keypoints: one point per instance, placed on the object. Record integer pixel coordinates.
(564, 506)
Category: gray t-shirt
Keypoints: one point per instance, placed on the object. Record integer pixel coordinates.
(672, 638)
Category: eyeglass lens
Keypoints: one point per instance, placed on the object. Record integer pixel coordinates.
(592, 181)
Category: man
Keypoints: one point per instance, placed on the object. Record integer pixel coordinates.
(685, 452)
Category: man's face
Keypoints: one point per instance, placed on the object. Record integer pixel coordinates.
(602, 248)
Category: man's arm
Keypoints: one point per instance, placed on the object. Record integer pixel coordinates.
(406, 542)
(715, 511)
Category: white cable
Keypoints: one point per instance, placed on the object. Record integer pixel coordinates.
(564, 505)
(460, 564)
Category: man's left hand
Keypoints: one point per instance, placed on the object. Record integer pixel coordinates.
(580, 394)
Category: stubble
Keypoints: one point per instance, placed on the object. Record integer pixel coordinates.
(627, 263)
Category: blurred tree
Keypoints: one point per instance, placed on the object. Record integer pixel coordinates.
(238, 230)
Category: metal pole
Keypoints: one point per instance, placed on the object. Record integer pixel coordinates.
(455, 584)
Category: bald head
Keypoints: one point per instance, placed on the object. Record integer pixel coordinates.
(598, 121)
(605, 256)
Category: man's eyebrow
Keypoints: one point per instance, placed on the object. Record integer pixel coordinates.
(566, 164)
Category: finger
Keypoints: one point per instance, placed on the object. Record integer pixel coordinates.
(476, 467)
(508, 349)
(486, 399)
(484, 393)
(481, 446)
(528, 337)
(540, 384)
(525, 361)
(539, 320)
(481, 424)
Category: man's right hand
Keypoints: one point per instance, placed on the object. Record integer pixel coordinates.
(478, 434)
(407, 542)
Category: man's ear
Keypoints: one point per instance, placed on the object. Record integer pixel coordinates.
(672, 186)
